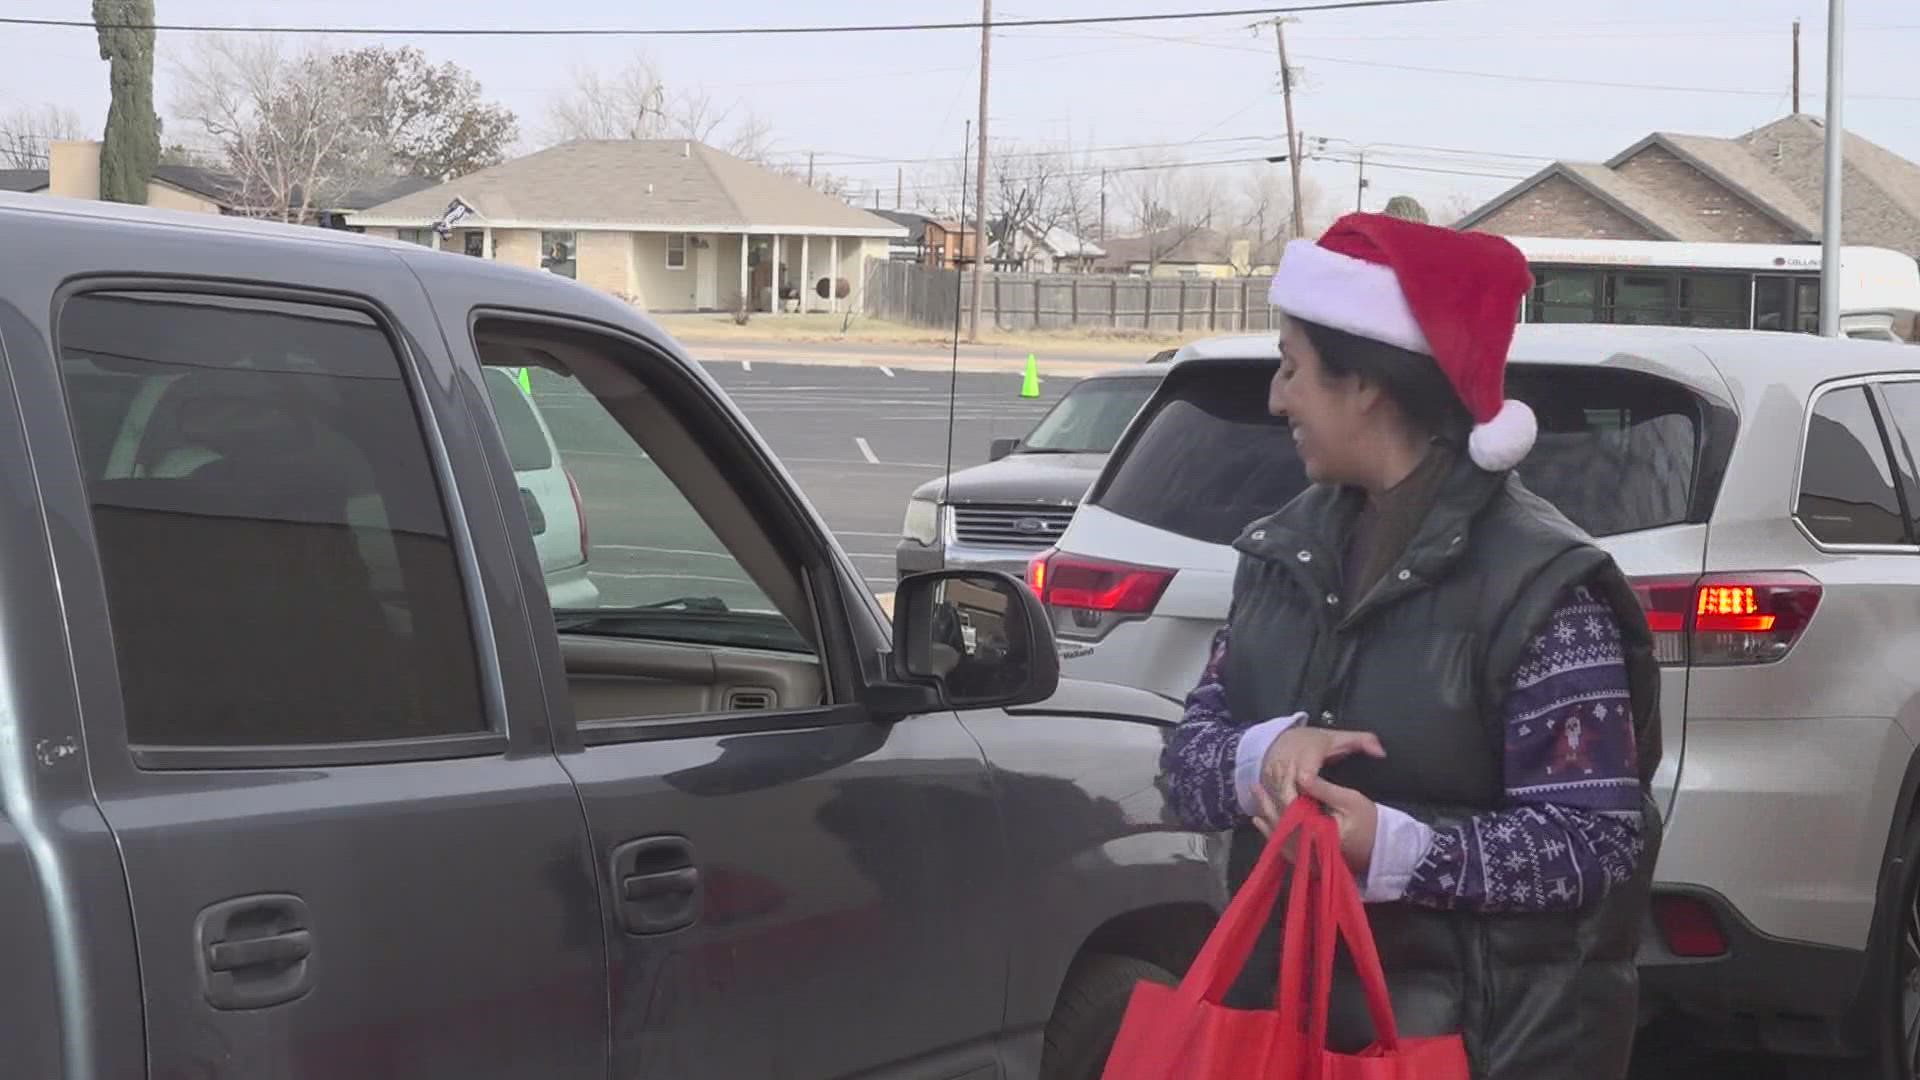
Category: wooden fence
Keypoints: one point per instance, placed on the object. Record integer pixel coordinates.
(911, 293)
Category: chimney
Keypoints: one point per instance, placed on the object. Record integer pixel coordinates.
(686, 149)
(73, 169)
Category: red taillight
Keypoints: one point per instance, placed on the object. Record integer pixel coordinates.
(1689, 927)
(1727, 619)
(1071, 581)
(580, 512)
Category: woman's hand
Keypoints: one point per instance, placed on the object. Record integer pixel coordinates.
(1299, 753)
(1357, 816)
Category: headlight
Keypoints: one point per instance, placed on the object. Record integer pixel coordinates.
(923, 522)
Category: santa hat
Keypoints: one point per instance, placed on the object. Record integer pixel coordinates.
(1454, 296)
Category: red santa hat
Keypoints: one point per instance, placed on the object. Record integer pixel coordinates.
(1454, 296)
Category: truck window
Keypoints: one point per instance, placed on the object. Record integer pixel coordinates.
(278, 564)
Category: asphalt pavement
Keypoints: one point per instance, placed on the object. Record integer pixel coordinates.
(860, 439)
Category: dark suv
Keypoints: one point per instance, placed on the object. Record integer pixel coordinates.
(302, 773)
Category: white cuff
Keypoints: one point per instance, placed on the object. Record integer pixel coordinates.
(1400, 843)
(1251, 754)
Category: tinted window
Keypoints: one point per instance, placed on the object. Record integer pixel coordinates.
(1903, 430)
(278, 567)
(1616, 451)
(1090, 418)
(526, 443)
(1846, 488)
(1209, 459)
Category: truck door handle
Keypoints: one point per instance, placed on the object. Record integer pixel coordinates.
(258, 952)
(656, 884)
(254, 951)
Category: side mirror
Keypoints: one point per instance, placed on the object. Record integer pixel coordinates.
(1000, 448)
(981, 636)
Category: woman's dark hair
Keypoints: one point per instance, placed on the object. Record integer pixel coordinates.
(1411, 381)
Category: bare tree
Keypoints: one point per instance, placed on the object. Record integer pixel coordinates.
(635, 102)
(274, 118)
(1454, 206)
(1262, 208)
(25, 133)
(1171, 206)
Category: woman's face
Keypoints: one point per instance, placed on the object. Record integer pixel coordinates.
(1331, 416)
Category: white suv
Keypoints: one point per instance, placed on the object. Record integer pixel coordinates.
(549, 493)
(1761, 490)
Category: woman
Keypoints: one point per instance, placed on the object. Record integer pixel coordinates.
(1441, 659)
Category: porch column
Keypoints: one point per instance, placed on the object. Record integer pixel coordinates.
(833, 274)
(486, 242)
(806, 272)
(773, 271)
(746, 248)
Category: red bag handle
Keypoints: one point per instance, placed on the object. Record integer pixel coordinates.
(1232, 940)
(1331, 908)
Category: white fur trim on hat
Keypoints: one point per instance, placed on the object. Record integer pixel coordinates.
(1502, 442)
(1345, 293)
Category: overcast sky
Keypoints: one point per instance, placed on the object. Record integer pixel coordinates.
(862, 102)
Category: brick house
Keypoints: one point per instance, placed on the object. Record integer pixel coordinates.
(1760, 187)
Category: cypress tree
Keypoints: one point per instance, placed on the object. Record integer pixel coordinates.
(131, 147)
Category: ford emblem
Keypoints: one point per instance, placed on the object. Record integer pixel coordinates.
(1030, 525)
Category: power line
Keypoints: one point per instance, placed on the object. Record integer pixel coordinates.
(719, 31)
(1558, 81)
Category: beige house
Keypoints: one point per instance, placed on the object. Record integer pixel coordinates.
(73, 172)
(669, 225)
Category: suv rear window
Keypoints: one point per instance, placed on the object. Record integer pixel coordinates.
(1208, 459)
(1617, 452)
(527, 445)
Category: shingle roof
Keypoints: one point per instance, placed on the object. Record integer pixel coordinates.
(1202, 246)
(375, 194)
(635, 184)
(209, 183)
(22, 179)
(1779, 168)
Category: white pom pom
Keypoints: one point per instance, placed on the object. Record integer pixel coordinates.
(1502, 442)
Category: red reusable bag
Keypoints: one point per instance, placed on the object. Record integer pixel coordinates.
(1185, 1033)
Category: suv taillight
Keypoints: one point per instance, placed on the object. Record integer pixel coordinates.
(1727, 619)
(1061, 580)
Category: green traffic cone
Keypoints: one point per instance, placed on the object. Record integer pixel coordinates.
(1031, 386)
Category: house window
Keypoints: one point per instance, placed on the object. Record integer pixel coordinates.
(676, 251)
(557, 253)
(475, 244)
(423, 237)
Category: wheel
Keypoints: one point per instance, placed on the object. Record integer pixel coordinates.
(1087, 1018)
(1900, 1001)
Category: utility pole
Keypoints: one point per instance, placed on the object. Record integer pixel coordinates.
(1796, 67)
(1836, 136)
(1103, 206)
(1360, 189)
(809, 168)
(980, 177)
(1293, 142)
(899, 185)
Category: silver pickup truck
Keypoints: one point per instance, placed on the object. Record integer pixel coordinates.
(304, 772)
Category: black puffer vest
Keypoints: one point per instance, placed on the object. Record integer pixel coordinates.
(1423, 661)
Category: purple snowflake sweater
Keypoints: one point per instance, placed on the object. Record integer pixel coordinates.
(1571, 826)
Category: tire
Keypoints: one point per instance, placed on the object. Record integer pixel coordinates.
(1898, 999)
(1087, 1017)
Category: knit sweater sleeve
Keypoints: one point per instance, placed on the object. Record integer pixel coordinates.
(1197, 765)
(1571, 828)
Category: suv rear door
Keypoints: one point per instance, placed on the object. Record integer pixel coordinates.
(349, 851)
(792, 885)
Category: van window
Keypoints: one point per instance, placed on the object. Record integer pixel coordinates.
(278, 566)
(1846, 487)
(1090, 418)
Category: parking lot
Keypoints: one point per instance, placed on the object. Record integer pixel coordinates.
(860, 439)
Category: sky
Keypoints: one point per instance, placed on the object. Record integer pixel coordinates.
(1577, 81)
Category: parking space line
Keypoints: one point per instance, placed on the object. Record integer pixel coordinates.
(746, 365)
(887, 371)
(865, 450)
